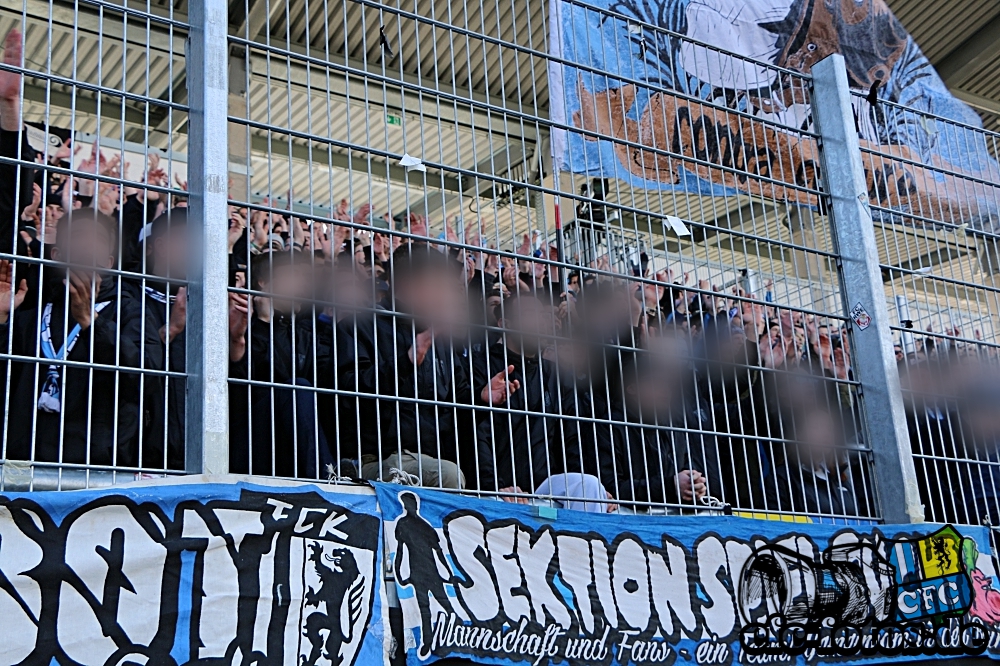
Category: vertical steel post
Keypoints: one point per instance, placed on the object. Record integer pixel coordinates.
(874, 364)
(207, 404)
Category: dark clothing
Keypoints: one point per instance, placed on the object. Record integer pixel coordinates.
(373, 358)
(981, 486)
(838, 492)
(936, 441)
(134, 216)
(15, 184)
(163, 403)
(743, 452)
(284, 439)
(645, 459)
(746, 409)
(650, 452)
(594, 450)
(100, 409)
(527, 446)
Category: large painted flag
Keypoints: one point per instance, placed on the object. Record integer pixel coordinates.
(713, 97)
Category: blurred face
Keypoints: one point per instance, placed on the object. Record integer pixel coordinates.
(436, 300)
(349, 294)
(288, 284)
(819, 435)
(651, 394)
(983, 423)
(170, 253)
(574, 356)
(528, 321)
(85, 242)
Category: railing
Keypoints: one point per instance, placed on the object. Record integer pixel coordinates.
(663, 318)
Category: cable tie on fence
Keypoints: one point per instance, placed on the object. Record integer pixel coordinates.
(339, 475)
(402, 478)
(384, 41)
(872, 96)
(717, 504)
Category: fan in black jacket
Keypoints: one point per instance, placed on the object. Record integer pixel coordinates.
(663, 445)
(419, 418)
(535, 439)
(164, 300)
(817, 471)
(285, 351)
(71, 413)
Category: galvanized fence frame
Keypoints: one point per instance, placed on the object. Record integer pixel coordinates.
(859, 272)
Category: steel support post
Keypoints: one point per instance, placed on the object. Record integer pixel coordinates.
(873, 361)
(207, 403)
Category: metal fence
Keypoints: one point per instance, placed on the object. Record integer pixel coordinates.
(342, 250)
(938, 263)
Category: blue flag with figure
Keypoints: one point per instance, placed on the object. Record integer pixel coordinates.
(192, 573)
(712, 97)
(500, 583)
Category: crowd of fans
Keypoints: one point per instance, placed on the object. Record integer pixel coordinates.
(363, 347)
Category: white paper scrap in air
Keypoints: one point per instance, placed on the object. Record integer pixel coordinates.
(412, 163)
(677, 224)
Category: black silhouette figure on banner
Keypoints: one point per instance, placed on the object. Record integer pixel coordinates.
(423, 552)
(335, 582)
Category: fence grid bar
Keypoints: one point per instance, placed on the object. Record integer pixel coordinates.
(843, 179)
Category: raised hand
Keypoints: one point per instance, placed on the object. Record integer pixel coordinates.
(496, 392)
(772, 350)
(341, 213)
(6, 287)
(472, 234)
(89, 164)
(80, 298)
(155, 176)
(112, 167)
(10, 82)
(237, 223)
(525, 247)
(239, 319)
(380, 246)
(30, 212)
(361, 216)
(421, 345)
(178, 317)
(418, 225)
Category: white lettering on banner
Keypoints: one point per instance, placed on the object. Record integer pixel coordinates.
(534, 593)
(254, 579)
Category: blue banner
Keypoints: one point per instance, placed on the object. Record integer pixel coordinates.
(191, 573)
(712, 97)
(500, 583)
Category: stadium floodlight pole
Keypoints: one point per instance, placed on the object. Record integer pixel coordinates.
(207, 402)
(873, 360)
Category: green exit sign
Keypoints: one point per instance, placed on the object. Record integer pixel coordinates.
(393, 120)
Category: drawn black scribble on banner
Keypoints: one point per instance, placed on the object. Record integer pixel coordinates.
(488, 581)
(268, 578)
